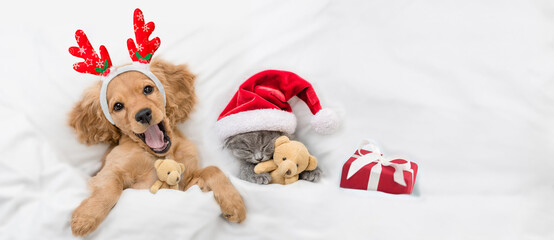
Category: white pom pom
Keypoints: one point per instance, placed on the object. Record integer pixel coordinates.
(325, 121)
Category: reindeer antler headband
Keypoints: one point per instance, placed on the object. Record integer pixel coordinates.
(141, 54)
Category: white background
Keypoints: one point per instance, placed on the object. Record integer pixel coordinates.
(463, 88)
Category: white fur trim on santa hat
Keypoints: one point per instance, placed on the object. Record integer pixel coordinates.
(256, 120)
(325, 121)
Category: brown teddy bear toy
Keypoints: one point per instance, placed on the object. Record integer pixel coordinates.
(169, 173)
(289, 159)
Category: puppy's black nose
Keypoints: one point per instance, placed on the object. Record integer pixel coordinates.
(144, 116)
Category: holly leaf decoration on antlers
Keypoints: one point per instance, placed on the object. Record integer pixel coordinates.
(96, 64)
(93, 64)
(144, 48)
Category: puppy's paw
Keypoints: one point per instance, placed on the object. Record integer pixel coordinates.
(200, 183)
(312, 176)
(82, 224)
(262, 178)
(232, 207)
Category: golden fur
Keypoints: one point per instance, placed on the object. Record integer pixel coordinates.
(129, 162)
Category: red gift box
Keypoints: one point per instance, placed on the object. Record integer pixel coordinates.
(369, 170)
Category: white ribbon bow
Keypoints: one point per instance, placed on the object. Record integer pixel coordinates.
(376, 156)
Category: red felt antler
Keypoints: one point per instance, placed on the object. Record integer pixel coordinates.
(92, 63)
(145, 48)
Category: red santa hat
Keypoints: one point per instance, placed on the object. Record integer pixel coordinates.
(261, 103)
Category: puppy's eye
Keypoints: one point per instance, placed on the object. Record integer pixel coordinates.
(147, 90)
(117, 106)
(168, 173)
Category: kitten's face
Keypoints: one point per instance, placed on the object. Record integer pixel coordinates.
(253, 147)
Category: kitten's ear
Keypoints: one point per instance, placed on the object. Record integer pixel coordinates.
(228, 141)
(281, 140)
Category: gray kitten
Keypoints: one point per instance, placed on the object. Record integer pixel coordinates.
(252, 148)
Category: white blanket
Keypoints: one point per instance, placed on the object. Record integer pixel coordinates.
(463, 88)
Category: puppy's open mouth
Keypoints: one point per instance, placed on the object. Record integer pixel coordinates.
(156, 138)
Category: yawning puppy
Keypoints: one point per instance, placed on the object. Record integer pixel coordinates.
(144, 131)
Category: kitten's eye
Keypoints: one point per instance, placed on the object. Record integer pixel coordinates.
(268, 148)
(242, 153)
(147, 90)
(284, 158)
(117, 106)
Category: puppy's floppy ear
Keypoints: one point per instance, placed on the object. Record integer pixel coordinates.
(178, 83)
(89, 121)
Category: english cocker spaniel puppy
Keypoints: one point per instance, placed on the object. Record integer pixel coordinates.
(143, 131)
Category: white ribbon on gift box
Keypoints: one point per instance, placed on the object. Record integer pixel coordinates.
(376, 156)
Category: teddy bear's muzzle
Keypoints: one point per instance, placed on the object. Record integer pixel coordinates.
(173, 178)
(287, 168)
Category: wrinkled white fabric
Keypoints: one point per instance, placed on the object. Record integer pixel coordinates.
(463, 88)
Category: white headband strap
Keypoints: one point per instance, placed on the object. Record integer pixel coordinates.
(139, 67)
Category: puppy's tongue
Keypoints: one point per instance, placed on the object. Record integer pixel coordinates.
(154, 137)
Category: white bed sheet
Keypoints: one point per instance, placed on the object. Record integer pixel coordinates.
(464, 88)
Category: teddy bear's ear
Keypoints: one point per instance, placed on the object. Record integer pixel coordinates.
(312, 163)
(281, 140)
(158, 162)
(182, 166)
